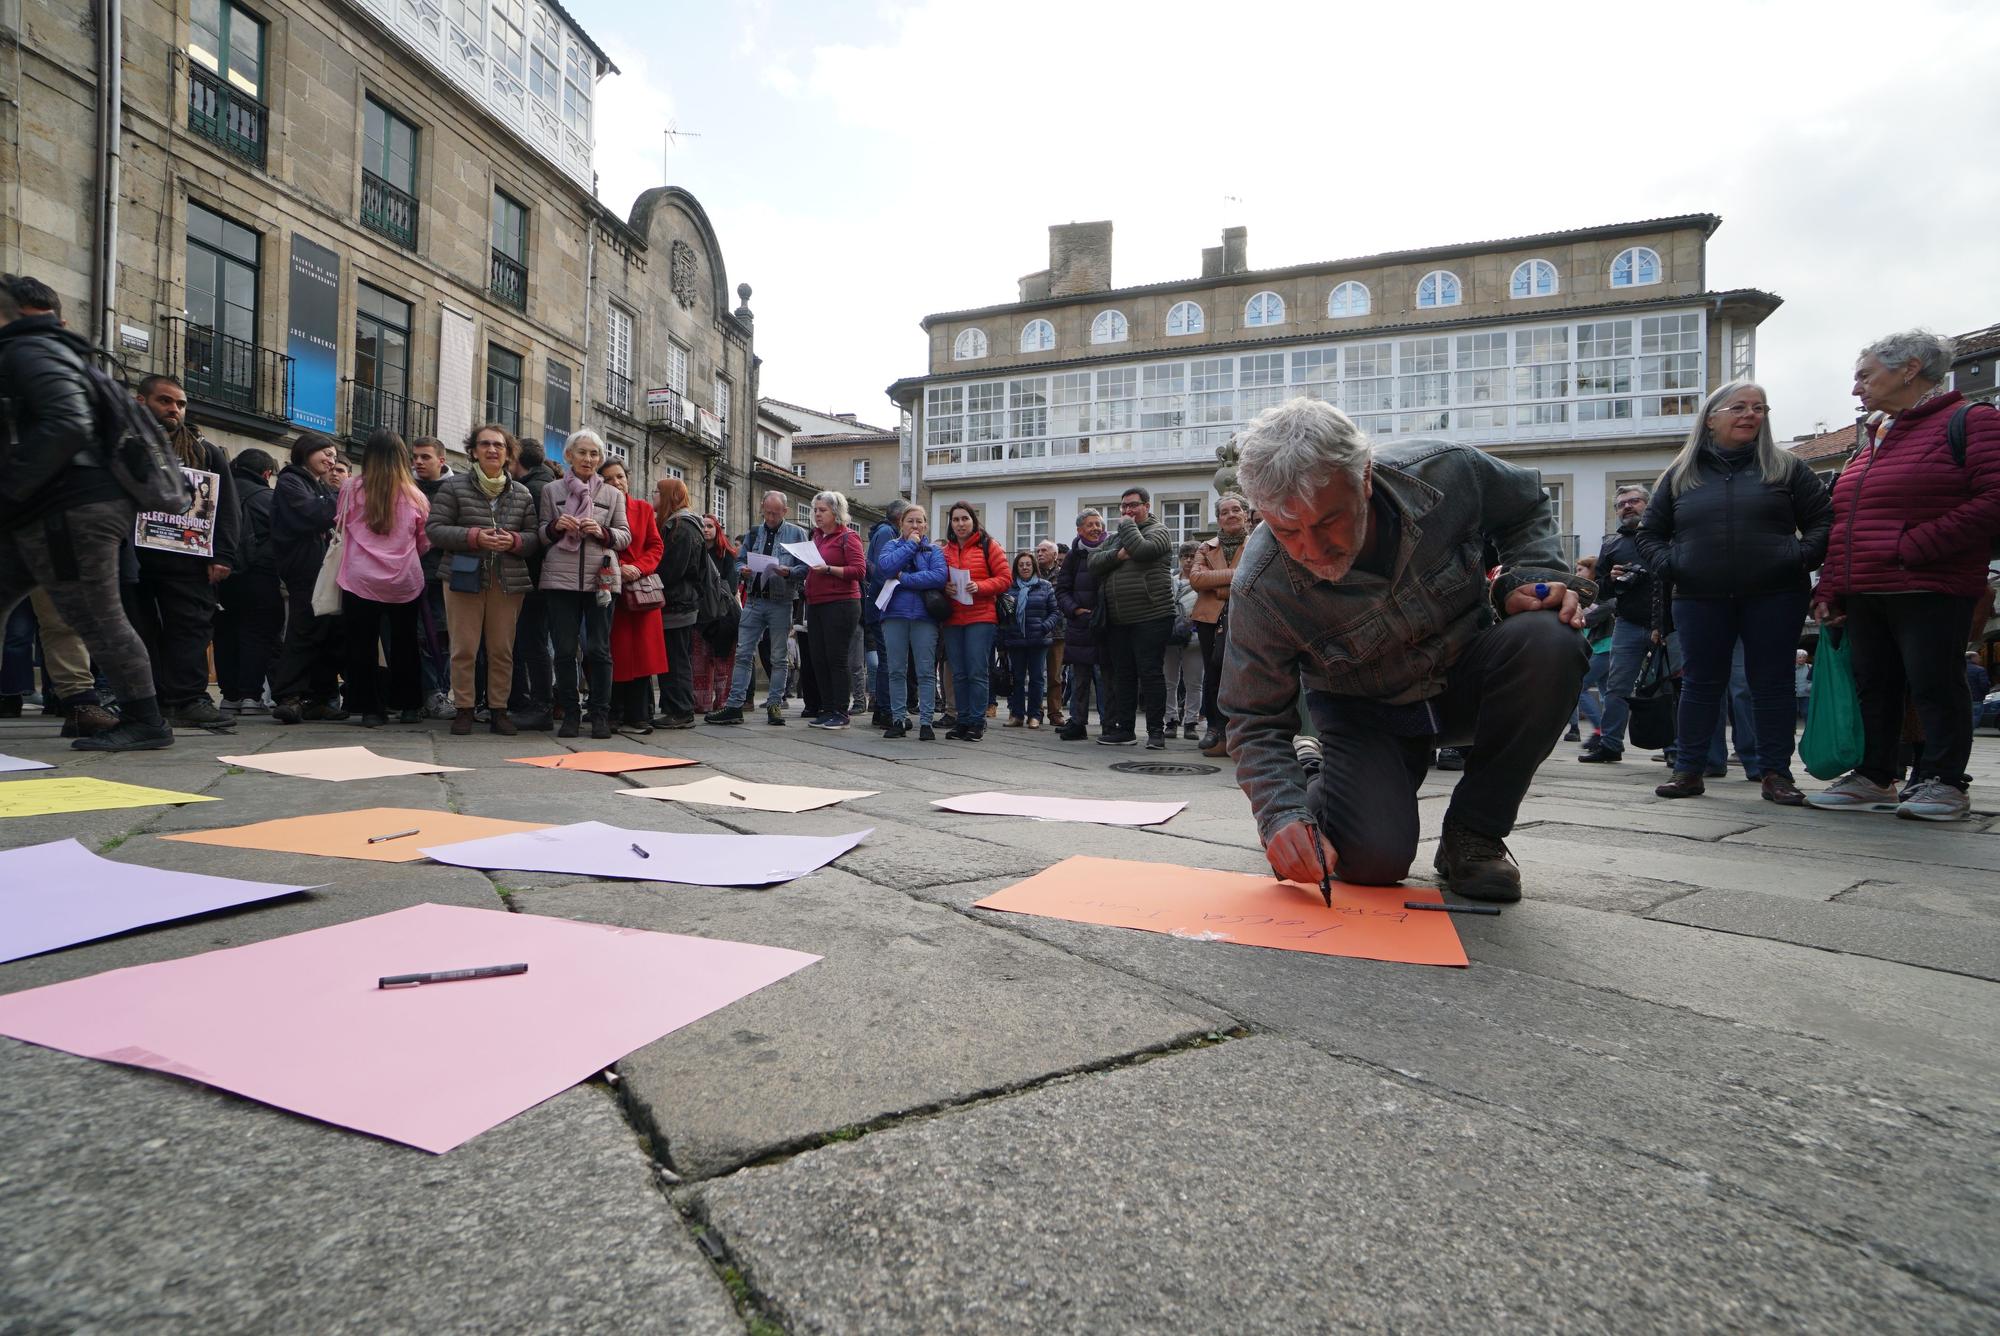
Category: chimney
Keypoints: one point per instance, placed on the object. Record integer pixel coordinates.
(1079, 259)
(845, 417)
(1211, 262)
(1235, 250)
(1035, 287)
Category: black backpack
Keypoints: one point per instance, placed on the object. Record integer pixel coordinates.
(716, 613)
(130, 440)
(1954, 437)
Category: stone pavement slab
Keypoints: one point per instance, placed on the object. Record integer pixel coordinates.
(912, 1006)
(1853, 929)
(1261, 1186)
(158, 1205)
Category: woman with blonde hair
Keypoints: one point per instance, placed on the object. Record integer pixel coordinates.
(833, 606)
(583, 531)
(382, 515)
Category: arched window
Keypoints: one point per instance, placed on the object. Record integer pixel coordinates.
(1266, 308)
(1109, 327)
(1038, 336)
(1533, 278)
(1348, 299)
(971, 346)
(1635, 268)
(1438, 288)
(1185, 318)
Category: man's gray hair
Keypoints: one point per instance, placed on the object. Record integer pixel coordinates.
(1296, 448)
(1931, 352)
(895, 509)
(1085, 514)
(837, 503)
(1645, 492)
(782, 499)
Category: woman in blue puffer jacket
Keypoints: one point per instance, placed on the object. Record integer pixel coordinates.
(1027, 628)
(916, 564)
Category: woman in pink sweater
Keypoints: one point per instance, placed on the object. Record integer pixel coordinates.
(381, 519)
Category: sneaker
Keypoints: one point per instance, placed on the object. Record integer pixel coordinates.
(730, 714)
(600, 726)
(413, 715)
(1156, 742)
(899, 729)
(201, 712)
(439, 706)
(1601, 755)
(1684, 784)
(1035, 722)
(775, 716)
(637, 728)
(503, 724)
(128, 736)
(925, 734)
(1451, 758)
(1780, 789)
(1572, 735)
(374, 721)
(1718, 772)
(1855, 792)
(948, 719)
(1016, 721)
(1073, 732)
(1477, 867)
(1191, 731)
(835, 722)
(1935, 800)
(880, 719)
(1117, 739)
(88, 720)
(674, 721)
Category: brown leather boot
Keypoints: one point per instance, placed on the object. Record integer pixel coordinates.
(461, 723)
(503, 724)
(1685, 784)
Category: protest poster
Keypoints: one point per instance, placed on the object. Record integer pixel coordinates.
(191, 533)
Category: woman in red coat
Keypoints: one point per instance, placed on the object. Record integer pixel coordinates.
(638, 651)
(1914, 521)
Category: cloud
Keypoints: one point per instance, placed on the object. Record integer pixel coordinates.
(634, 109)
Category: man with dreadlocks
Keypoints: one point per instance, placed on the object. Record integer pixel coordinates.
(172, 605)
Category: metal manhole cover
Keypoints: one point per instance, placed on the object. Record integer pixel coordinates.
(1164, 768)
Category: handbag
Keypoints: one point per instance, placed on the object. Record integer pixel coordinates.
(1655, 702)
(326, 585)
(466, 572)
(645, 592)
(937, 604)
(1833, 741)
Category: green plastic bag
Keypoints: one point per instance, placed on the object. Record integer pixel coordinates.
(1831, 745)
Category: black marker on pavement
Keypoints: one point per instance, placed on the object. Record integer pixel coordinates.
(738, 797)
(641, 852)
(377, 839)
(1451, 909)
(449, 976)
(1325, 877)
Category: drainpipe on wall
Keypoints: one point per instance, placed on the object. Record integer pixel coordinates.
(110, 153)
(580, 400)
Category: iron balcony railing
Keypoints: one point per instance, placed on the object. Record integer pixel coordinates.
(664, 408)
(618, 391)
(370, 407)
(388, 210)
(510, 281)
(232, 373)
(227, 116)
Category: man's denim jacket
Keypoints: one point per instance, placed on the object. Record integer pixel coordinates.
(1390, 641)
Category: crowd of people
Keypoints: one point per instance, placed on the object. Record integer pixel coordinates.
(1360, 615)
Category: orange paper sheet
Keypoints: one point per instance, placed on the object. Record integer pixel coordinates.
(1365, 921)
(345, 834)
(603, 762)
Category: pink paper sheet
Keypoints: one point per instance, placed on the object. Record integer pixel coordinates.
(59, 894)
(1100, 811)
(299, 1023)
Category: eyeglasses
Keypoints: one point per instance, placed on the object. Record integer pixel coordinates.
(1131, 505)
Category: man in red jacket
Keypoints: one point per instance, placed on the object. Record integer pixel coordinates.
(1914, 521)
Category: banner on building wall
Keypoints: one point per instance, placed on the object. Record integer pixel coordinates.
(555, 421)
(311, 331)
(454, 418)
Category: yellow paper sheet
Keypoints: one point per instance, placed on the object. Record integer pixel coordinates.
(722, 791)
(41, 797)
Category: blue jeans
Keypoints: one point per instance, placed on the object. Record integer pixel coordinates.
(1767, 625)
(1629, 643)
(770, 621)
(1588, 704)
(901, 638)
(17, 656)
(1030, 664)
(970, 651)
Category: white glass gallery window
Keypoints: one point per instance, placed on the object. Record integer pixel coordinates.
(1526, 381)
(1038, 336)
(1348, 299)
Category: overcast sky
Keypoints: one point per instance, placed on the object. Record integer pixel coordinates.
(867, 164)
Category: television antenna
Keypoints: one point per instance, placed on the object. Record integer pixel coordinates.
(674, 134)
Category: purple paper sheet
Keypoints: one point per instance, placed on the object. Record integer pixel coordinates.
(59, 894)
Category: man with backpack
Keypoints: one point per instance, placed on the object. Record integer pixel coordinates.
(63, 514)
(172, 603)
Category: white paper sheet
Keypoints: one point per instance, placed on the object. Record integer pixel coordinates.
(594, 849)
(722, 791)
(888, 592)
(1099, 811)
(9, 764)
(759, 563)
(806, 552)
(961, 583)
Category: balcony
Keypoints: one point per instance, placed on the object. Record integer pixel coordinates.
(510, 281)
(370, 407)
(226, 116)
(227, 372)
(618, 392)
(387, 210)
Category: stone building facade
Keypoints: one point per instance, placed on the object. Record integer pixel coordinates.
(837, 452)
(339, 214)
(1580, 353)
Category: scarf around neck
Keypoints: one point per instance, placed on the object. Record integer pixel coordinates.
(493, 486)
(577, 499)
(1231, 546)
